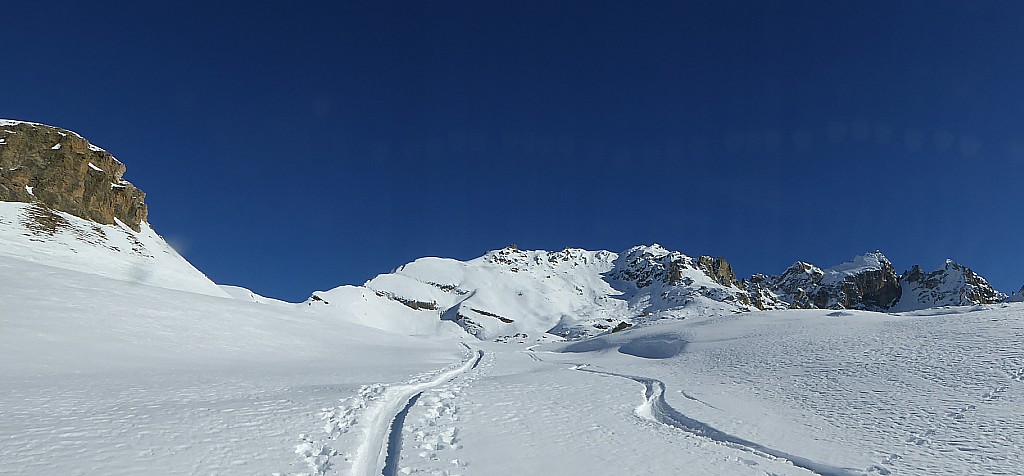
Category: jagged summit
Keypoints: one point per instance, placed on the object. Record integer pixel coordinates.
(952, 285)
(64, 202)
(515, 294)
(867, 282)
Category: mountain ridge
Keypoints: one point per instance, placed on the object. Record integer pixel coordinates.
(65, 198)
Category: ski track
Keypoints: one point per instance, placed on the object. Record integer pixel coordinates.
(655, 408)
(384, 428)
(395, 438)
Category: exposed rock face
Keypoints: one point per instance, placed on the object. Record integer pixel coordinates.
(869, 282)
(718, 269)
(644, 265)
(796, 283)
(952, 285)
(760, 293)
(62, 171)
(677, 279)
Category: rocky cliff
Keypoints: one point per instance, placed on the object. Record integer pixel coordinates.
(868, 282)
(60, 170)
(676, 279)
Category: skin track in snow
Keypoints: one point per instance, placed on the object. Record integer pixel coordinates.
(371, 458)
(395, 438)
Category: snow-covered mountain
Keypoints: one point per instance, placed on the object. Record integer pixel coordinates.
(868, 282)
(64, 202)
(513, 294)
(117, 355)
(952, 285)
(517, 294)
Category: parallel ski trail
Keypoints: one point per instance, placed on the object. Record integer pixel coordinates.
(372, 457)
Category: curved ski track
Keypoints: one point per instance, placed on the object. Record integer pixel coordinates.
(380, 448)
(655, 408)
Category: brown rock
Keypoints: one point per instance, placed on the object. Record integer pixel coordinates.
(62, 171)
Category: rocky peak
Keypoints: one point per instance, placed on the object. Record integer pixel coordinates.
(761, 296)
(61, 170)
(510, 255)
(517, 260)
(952, 285)
(793, 285)
(719, 270)
(645, 265)
(867, 282)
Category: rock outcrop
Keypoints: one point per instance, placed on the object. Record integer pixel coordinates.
(677, 279)
(760, 293)
(796, 284)
(868, 282)
(952, 285)
(60, 170)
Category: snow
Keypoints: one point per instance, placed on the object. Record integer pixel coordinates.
(108, 250)
(487, 296)
(11, 122)
(866, 262)
(62, 132)
(56, 146)
(238, 292)
(124, 379)
(94, 167)
(106, 373)
(29, 189)
(513, 294)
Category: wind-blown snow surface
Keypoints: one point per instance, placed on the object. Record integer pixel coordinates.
(103, 376)
(106, 375)
(114, 251)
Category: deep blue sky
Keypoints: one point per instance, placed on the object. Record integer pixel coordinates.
(289, 147)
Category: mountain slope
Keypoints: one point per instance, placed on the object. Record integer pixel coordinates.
(512, 294)
(64, 203)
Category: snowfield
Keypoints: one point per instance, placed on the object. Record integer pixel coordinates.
(118, 362)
